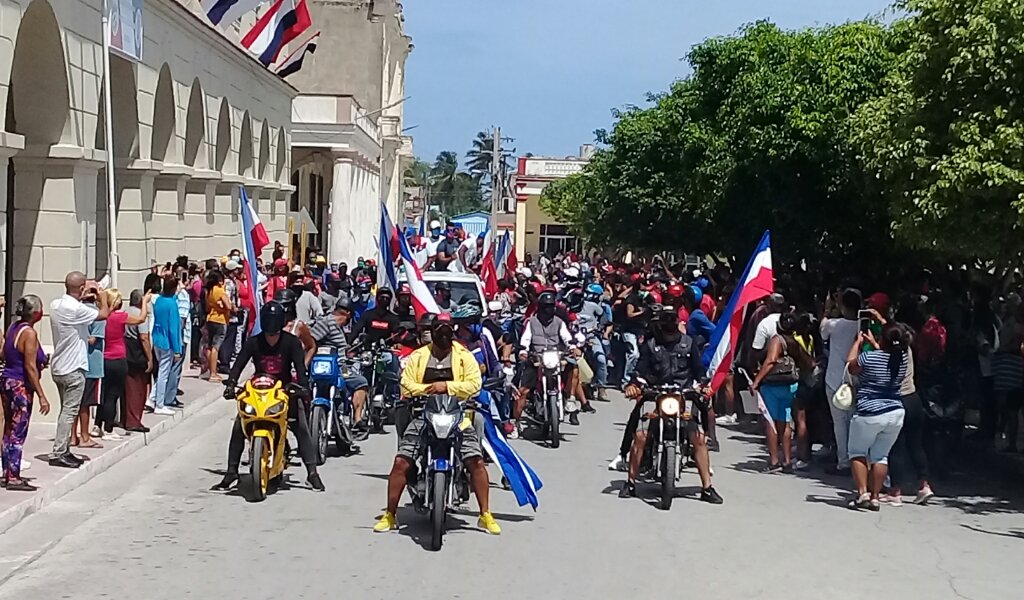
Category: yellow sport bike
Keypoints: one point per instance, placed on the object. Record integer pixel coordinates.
(263, 409)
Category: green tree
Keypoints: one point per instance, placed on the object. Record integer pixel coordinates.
(756, 138)
(454, 190)
(947, 137)
(479, 157)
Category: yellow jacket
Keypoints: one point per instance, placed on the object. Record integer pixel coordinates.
(465, 370)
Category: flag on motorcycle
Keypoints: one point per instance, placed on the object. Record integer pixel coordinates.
(487, 270)
(757, 282)
(521, 478)
(388, 247)
(422, 300)
(254, 239)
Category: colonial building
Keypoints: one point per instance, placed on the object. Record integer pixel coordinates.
(194, 118)
(348, 152)
(535, 230)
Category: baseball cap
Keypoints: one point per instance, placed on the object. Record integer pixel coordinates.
(232, 265)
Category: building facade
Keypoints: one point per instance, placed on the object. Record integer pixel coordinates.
(535, 230)
(349, 154)
(193, 120)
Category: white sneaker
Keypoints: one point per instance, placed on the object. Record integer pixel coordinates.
(801, 465)
(618, 464)
(111, 437)
(726, 420)
(163, 410)
(25, 465)
(96, 432)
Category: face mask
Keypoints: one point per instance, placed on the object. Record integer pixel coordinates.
(546, 312)
(442, 338)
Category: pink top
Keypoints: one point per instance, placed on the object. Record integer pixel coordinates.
(114, 345)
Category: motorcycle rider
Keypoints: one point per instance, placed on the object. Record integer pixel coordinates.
(404, 309)
(380, 322)
(669, 357)
(294, 325)
(543, 330)
(361, 297)
(277, 353)
(328, 331)
(593, 322)
(442, 367)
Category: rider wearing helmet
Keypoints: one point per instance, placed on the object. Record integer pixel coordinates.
(594, 323)
(361, 294)
(329, 331)
(699, 326)
(542, 331)
(403, 307)
(277, 353)
(380, 322)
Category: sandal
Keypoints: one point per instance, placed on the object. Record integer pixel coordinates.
(862, 501)
(91, 444)
(20, 485)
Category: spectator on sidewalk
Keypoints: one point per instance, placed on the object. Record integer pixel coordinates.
(111, 410)
(20, 381)
(70, 320)
(167, 333)
(218, 310)
(839, 333)
(184, 301)
(139, 356)
(81, 435)
(226, 352)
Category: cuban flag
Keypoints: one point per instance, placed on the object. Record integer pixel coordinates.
(254, 239)
(293, 62)
(284, 21)
(505, 253)
(225, 12)
(488, 273)
(422, 300)
(757, 282)
(388, 243)
(521, 478)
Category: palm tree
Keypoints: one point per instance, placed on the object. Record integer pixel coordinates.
(478, 159)
(445, 171)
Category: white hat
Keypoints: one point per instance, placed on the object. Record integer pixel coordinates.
(435, 224)
(232, 265)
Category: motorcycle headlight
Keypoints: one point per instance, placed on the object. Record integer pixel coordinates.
(366, 357)
(276, 408)
(669, 405)
(321, 367)
(442, 424)
(248, 409)
(550, 359)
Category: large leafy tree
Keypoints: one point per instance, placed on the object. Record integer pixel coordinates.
(947, 138)
(757, 138)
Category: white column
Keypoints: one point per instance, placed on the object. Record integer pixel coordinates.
(341, 209)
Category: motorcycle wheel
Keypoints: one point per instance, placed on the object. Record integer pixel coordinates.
(320, 431)
(668, 477)
(554, 435)
(437, 510)
(259, 468)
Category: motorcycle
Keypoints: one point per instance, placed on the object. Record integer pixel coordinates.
(441, 482)
(263, 410)
(383, 384)
(547, 408)
(331, 413)
(666, 451)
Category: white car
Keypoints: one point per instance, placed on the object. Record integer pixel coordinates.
(464, 286)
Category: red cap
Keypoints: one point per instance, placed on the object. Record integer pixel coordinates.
(879, 301)
(280, 263)
(675, 290)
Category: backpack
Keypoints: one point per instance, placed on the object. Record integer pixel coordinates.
(198, 309)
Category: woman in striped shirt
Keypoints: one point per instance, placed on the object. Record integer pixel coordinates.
(878, 417)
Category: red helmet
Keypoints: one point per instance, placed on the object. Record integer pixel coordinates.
(656, 296)
(537, 287)
(675, 290)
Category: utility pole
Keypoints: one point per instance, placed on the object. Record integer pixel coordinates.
(496, 182)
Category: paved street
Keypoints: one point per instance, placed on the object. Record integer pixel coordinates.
(149, 529)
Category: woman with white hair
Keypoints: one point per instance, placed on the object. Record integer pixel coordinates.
(18, 384)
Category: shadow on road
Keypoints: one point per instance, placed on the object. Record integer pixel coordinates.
(1013, 533)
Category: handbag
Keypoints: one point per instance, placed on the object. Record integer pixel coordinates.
(134, 353)
(784, 371)
(843, 398)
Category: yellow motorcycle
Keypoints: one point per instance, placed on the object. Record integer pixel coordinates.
(263, 409)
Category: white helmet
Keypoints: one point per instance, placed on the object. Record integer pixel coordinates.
(572, 273)
(435, 224)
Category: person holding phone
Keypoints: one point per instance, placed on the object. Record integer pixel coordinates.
(839, 334)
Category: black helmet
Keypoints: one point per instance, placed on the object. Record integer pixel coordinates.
(273, 317)
(547, 298)
(343, 303)
(285, 298)
(426, 321)
(382, 293)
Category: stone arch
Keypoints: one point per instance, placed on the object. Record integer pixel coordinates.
(164, 108)
(39, 93)
(223, 143)
(264, 157)
(245, 156)
(124, 104)
(282, 153)
(195, 126)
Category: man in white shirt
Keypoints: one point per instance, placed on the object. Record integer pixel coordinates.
(70, 320)
(839, 335)
(432, 243)
(769, 326)
(471, 252)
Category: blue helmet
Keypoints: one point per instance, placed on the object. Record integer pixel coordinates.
(595, 289)
(698, 295)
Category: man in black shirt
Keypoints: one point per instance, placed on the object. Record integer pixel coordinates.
(404, 309)
(276, 353)
(380, 322)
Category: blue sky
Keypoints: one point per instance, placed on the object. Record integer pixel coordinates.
(564, 63)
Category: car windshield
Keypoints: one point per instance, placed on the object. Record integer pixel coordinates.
(462, 291)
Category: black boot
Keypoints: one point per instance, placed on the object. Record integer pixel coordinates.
(628, 490)
(313, 479)
(229, 479)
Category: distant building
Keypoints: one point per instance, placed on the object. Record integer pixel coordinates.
(535, 230)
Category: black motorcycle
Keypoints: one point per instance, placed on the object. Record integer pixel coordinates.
(441, 481)
(546, 408)
(668, 445)
(383, 391)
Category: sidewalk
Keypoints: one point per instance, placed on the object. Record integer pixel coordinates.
(55, 482)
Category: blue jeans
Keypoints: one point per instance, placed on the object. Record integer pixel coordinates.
(632, 342)
(168, 374)
(596, 345)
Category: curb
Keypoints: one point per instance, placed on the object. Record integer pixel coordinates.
(79, 477)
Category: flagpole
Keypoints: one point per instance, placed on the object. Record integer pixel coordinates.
(108, 134)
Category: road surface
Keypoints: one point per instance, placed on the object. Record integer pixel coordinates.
(150, 529)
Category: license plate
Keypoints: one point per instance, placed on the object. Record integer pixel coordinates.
(688, 409)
